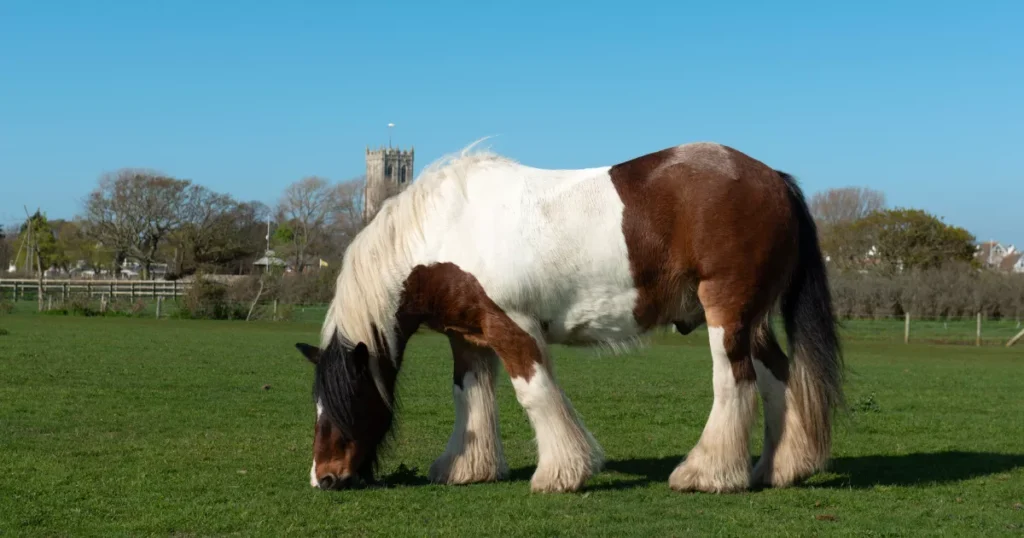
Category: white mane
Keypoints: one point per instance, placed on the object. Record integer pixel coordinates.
(380, 258)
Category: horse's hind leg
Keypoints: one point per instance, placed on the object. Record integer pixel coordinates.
(474, 452)
(720, 462)
(790, 452)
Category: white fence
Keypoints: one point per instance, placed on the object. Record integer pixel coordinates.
(23, 289)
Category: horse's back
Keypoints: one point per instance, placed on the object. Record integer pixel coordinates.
(602, 254)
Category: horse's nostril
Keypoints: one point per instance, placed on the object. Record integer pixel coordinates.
(327, 482)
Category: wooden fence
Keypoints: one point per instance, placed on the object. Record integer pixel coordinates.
(23, 289)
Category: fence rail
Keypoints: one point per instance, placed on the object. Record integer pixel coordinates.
(22, 289)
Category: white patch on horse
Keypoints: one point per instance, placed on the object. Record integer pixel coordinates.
(703, 156)
(567, 453)
(552, 249)
(312, 471)
(545, 243)
(720, 460)
(474, 451)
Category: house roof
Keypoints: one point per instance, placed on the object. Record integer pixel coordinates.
(1009, 261)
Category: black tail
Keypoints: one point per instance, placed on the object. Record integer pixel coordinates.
(818, 370)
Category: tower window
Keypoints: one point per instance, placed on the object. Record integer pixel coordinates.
(401, 178)
(387, 171)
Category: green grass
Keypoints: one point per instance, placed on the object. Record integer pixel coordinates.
(135, 427)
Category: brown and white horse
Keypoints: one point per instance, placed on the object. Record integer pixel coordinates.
(505, 259)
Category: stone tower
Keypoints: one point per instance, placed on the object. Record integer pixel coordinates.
(388, 172)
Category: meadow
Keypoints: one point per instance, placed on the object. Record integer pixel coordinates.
(136, 427)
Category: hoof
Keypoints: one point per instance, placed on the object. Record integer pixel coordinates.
(462, 470)
(696, 474)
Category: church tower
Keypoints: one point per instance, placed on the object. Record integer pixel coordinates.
(388, 171)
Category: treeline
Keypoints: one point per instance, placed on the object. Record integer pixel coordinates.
(885, 262)
(150, 218)
(950, 292)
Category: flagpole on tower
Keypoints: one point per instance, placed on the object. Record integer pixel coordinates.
(390, 127)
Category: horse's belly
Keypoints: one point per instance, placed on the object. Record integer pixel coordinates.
(600, 314)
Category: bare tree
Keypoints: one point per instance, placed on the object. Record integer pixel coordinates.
(206, 231)
(348, 211)
(134, 211)
(846, 205)
(306, 206)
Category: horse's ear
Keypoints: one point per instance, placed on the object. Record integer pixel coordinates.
(310, 352)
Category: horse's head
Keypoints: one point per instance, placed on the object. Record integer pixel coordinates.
(352, 419)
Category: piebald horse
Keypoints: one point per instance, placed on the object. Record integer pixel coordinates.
(505, 259)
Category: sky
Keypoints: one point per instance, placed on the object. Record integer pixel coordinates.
(923, 100)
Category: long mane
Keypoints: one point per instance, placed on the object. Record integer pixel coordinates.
(381, 256)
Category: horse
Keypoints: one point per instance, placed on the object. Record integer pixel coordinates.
(505, 259)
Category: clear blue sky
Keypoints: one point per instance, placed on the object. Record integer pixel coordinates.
(921, 99)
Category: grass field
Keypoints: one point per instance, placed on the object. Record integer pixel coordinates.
(162, 427)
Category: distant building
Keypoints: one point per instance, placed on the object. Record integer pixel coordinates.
(1013, 263)
(388, 171)
(991, 253)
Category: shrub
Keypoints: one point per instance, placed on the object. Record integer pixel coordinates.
(208, 299)
(950, 292)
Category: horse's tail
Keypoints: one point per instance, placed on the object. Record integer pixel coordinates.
(816, 373)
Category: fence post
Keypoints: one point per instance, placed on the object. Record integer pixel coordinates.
(103, 304)
(17, 289)
(64, 292)
(275, 309)
(1014, 339)
(159, 305)
(906, 328)
(977, 341)
(49, 302)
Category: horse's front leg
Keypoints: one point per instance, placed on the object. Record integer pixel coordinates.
(567, 453)
(474, 452)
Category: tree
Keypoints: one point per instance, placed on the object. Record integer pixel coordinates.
(347, 216)
(218, 233)
(906, 239)
(205, 234)
(5, 250)
(845, 205)
(78, 246)
(43, 244)
(306, 206)
(848, 245)
(348, 199)
(134, 211)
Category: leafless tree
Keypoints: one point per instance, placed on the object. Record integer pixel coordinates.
(306, 206)
(348, 211)
(845, 205)
(133, 212)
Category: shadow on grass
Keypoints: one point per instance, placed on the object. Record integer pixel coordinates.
(855, 472)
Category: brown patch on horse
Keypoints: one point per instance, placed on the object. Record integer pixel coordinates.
(711, 215)
(334, 455)
(450, 300)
